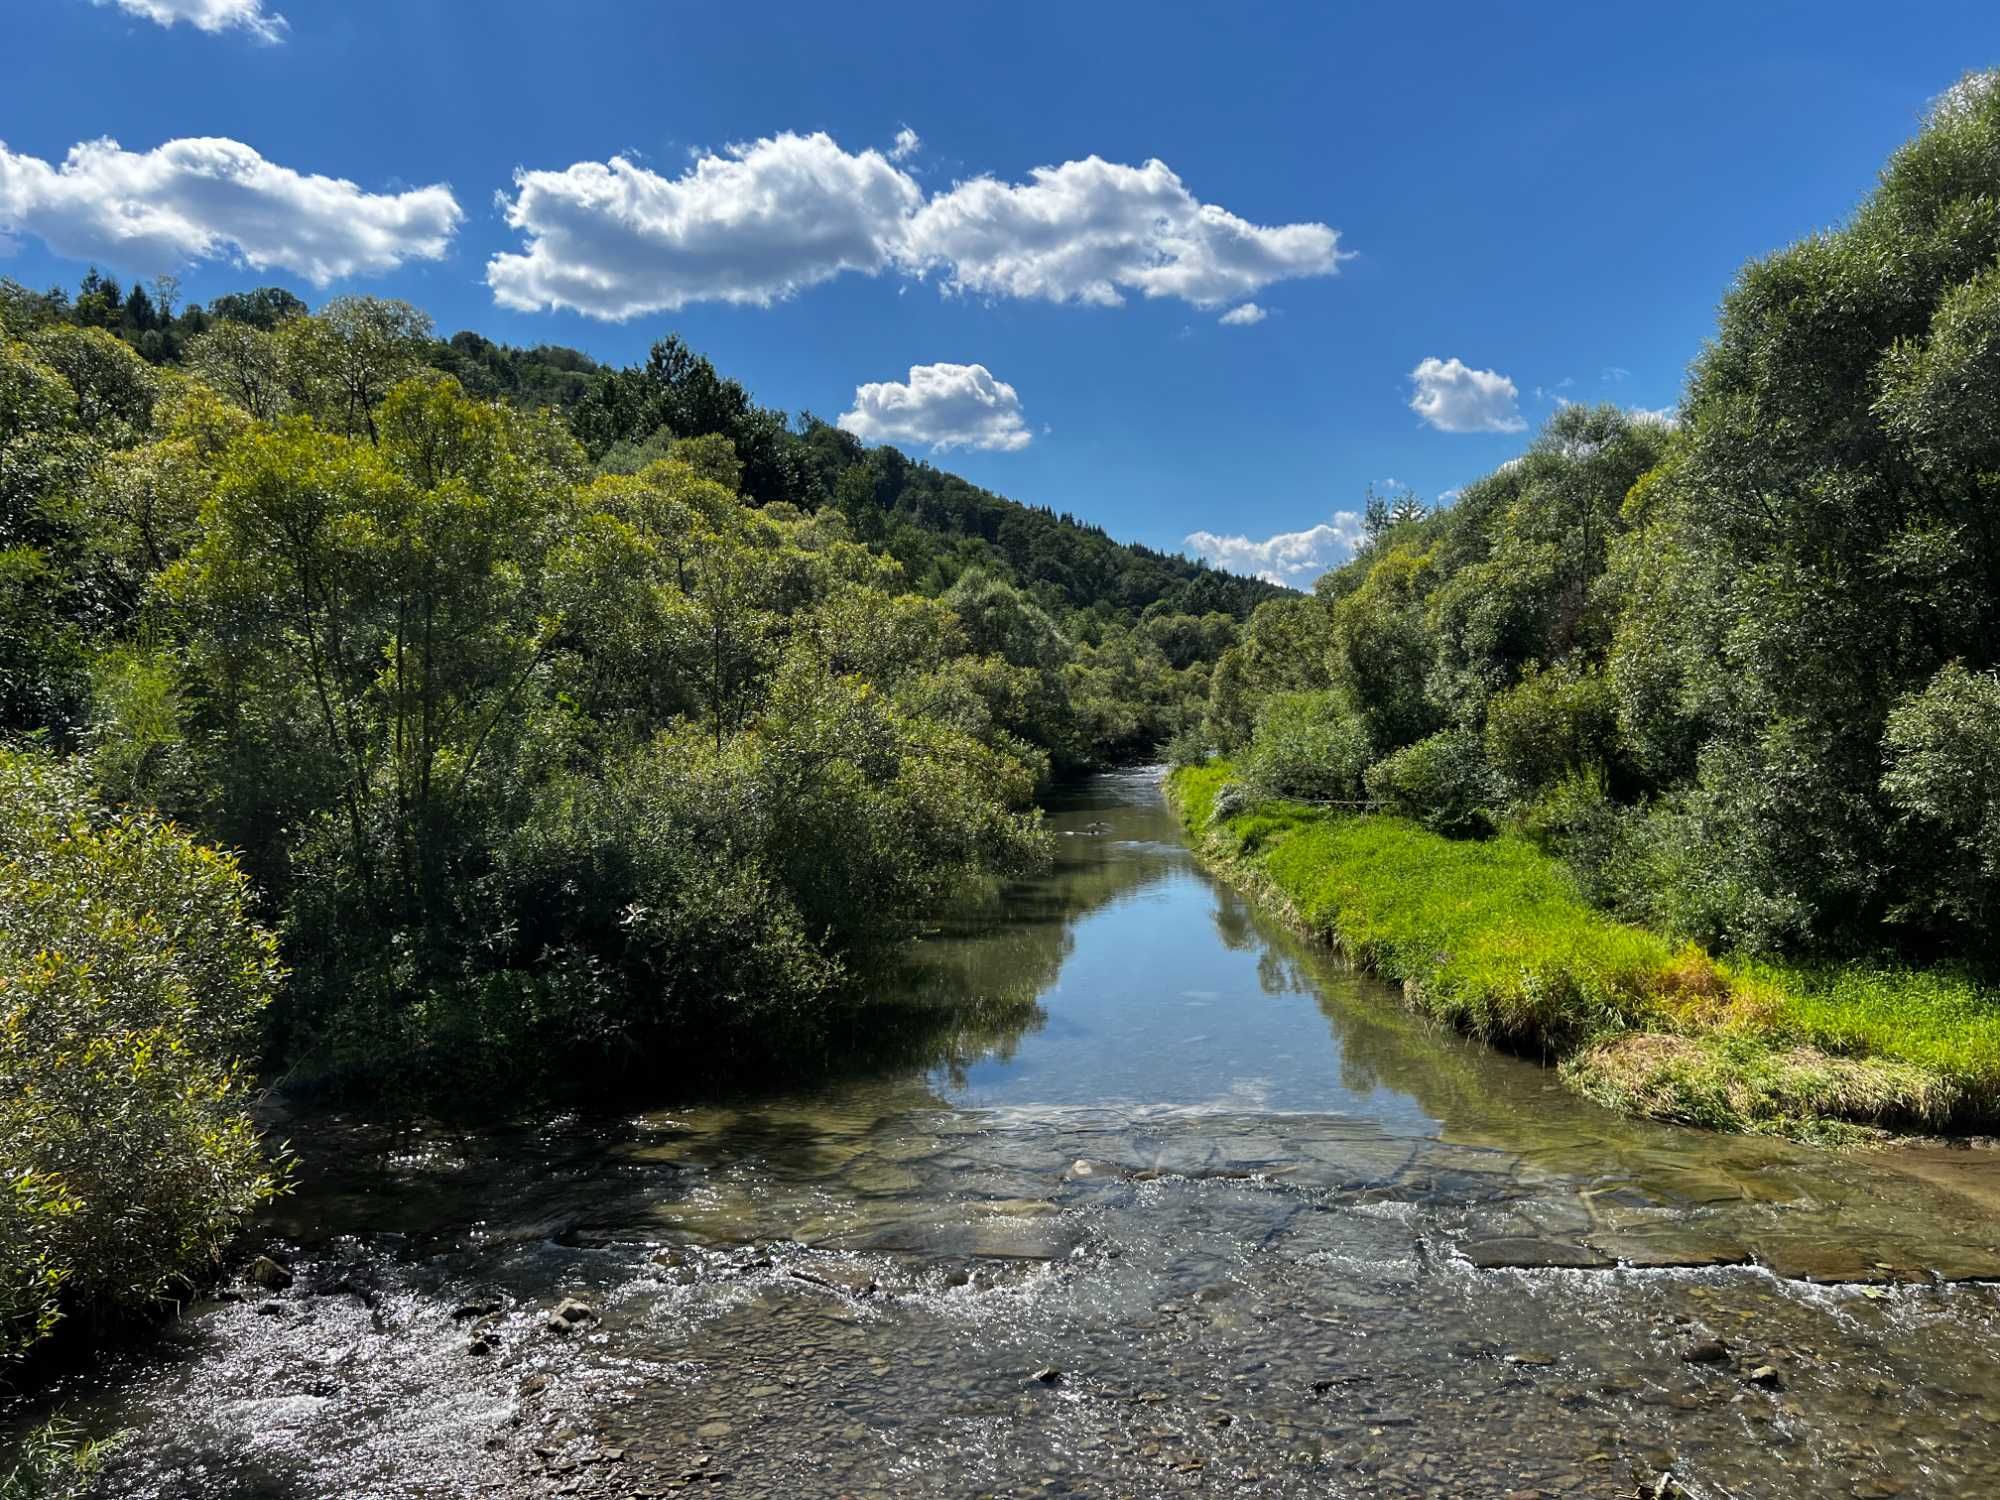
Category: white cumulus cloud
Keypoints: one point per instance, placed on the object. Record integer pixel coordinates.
(1092, 230)
(758, 222)
(943, 405)
(1243, 317)
(209, 15)
(753, 225)
(1453, 397)
(1292, 558)
(209, 197)
(1661, 416)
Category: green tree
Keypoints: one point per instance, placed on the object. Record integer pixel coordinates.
(130, 983)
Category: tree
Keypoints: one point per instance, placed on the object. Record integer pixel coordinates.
(340, 362)
(133, 981)
(1943, 779)
(1826, 537)
(245, 365)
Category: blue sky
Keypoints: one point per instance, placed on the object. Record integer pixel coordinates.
(1485, 193)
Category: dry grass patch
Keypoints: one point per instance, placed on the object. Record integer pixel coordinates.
(1727, 1081)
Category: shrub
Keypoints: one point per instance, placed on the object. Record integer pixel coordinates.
(1943, 752)
(1548, 724)
(1443, 782)
(53, 1461)
(1310, 746)
(1576, 821)
(1188, 747)
(1231, 798)
(1698, 864)
(129, 981)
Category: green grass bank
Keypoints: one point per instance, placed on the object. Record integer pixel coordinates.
(1491, 936)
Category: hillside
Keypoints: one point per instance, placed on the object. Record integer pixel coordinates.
(935, 523)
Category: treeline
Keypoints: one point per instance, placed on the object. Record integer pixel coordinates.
(541, 760)
(1738, 671)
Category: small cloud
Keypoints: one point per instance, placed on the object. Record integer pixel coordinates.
(1445, 497)
(1090, 231)
(944, 406)
(1246, 316)
(1615, 373)
(1658, 416)
(209, 15)
(908, 143)
(1453, 397)
(1548, 393)
(1292, 559)
(210, 198)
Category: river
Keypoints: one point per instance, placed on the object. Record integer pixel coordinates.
(1152, 1199)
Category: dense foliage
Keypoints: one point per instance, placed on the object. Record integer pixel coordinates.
(1739, 671)
(131, 980)
(565, 722)
(1492, 935)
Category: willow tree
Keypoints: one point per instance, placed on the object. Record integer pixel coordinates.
(1823, 542)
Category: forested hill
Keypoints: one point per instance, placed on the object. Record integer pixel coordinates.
(933, 522)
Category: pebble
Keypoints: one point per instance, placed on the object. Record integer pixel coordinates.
(571, 1314)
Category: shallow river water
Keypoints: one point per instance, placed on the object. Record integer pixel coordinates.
(1162, 1202)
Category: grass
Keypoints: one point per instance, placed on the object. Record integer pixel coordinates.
(1493, 937)
(51, 1462)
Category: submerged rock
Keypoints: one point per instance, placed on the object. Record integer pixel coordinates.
(270, 1274)
(846, 1278)
(1520, 1253)
(571, 1314)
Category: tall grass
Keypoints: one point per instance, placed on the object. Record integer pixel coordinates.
(1494, 937)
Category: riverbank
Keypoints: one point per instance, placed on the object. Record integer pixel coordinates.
(1219, 1176)
(1491, 936)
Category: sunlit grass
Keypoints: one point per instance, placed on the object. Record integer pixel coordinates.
(1494, 937)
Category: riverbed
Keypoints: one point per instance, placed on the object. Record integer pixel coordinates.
(1157, 1200)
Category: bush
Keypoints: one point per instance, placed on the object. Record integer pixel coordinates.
(1231, 798)
(51, 1462)
(1443, 782)
(1548, 724)
(1309, 746)
(1188, 747)
(1576, 821)
(1698, 865)
(130, 979)
(712, 897)
(1943, 752)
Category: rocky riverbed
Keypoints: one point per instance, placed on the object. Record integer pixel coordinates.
(1210, 1217)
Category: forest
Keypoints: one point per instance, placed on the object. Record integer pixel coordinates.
(1715, 700)
(382, 714)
